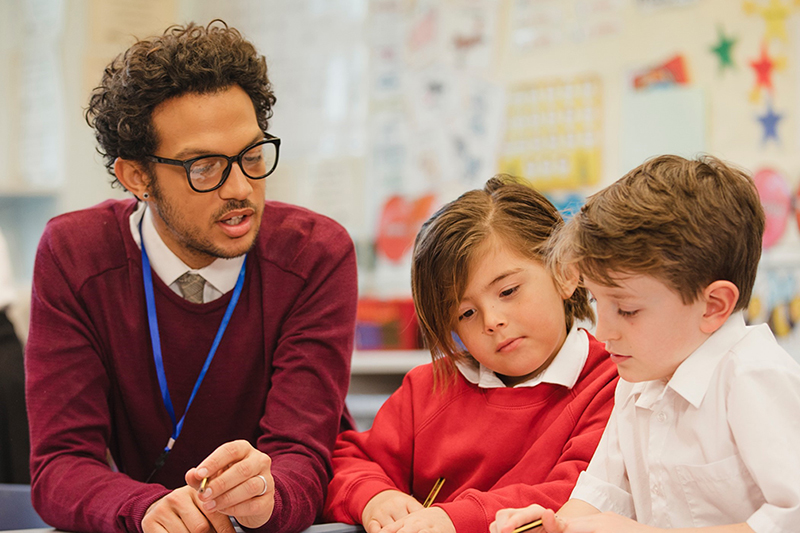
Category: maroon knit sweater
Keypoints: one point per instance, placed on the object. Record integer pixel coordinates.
(278, 380)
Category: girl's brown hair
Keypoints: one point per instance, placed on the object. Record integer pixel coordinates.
(445, 249)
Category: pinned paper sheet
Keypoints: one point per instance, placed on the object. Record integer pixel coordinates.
(668, 121)
(553, 133)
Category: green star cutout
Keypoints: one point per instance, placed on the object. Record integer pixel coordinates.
(723, 50)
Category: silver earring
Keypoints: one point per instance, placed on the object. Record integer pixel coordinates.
(145, 196)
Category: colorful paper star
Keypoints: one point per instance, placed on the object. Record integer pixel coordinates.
(723, 50)
(769, 120)
(763, 68)
(774, 14)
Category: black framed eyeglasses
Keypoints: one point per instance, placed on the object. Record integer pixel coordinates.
(208, 172)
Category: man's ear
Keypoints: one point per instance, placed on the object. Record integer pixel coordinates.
(132, 176)
(720, 299)
(568, 281)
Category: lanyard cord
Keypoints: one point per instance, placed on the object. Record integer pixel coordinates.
(155, 339)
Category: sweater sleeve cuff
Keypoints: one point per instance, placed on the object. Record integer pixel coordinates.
(139, 505)
(467, 515)
(277, 511)
(360, 495)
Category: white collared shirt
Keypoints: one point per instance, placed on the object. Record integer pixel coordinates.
(565, 369)
(220, 275)
(719, 443)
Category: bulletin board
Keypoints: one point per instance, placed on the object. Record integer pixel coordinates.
(389, 108)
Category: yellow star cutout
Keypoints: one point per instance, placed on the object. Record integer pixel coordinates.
(774, 14)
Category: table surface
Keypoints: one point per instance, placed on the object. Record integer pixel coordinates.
(317, 528)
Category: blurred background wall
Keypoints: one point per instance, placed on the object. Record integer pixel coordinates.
(389, 108)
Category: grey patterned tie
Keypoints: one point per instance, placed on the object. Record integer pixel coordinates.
(192, 287)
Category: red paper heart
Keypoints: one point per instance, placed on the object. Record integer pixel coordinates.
(400, 221)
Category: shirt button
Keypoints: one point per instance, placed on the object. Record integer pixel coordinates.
(656, 490)
(661, 417)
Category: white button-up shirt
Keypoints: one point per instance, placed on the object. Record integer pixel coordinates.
(220, 275)
(717, 444)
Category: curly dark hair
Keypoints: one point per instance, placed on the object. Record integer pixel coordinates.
(184, 59)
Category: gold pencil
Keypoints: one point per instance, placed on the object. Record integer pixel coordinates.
(526, 527)
(203, 484)
(434, 491)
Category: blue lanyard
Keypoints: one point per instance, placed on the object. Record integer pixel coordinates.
(156, 341)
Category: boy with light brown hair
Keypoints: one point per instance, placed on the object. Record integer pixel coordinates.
(704, 433)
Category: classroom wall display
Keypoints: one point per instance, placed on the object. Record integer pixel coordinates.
(776, 200)
(41, 95)
(768, 61)
(776, 301)
(547, 23)
(669, 73)
(649, 5)
(763, 67)
(775, 14)
(554, 131)
(383, 99)
(723, 49)
(401, 219)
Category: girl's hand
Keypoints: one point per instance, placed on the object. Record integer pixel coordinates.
(430, 520)
(387, 507)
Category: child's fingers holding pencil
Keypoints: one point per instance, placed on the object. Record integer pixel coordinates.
(529, 526)
(508, 520)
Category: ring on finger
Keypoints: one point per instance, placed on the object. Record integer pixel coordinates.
(265, 486)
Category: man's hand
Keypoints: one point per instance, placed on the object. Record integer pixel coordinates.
(386, 508)
(240, 483)
(181, 511)
(430, 520)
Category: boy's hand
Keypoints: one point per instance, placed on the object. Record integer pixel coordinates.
(386, 508)
(507, 520)
(430, 520)
(604, 523)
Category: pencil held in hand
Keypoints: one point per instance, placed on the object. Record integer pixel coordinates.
(434, 491)
(526, 527)
(203, 485)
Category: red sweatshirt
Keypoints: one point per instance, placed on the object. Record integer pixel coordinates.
(278, 379)
(496, 447)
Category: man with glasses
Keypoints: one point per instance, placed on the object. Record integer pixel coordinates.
(189, 349)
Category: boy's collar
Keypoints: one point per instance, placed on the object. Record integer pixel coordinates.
(692, 377)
